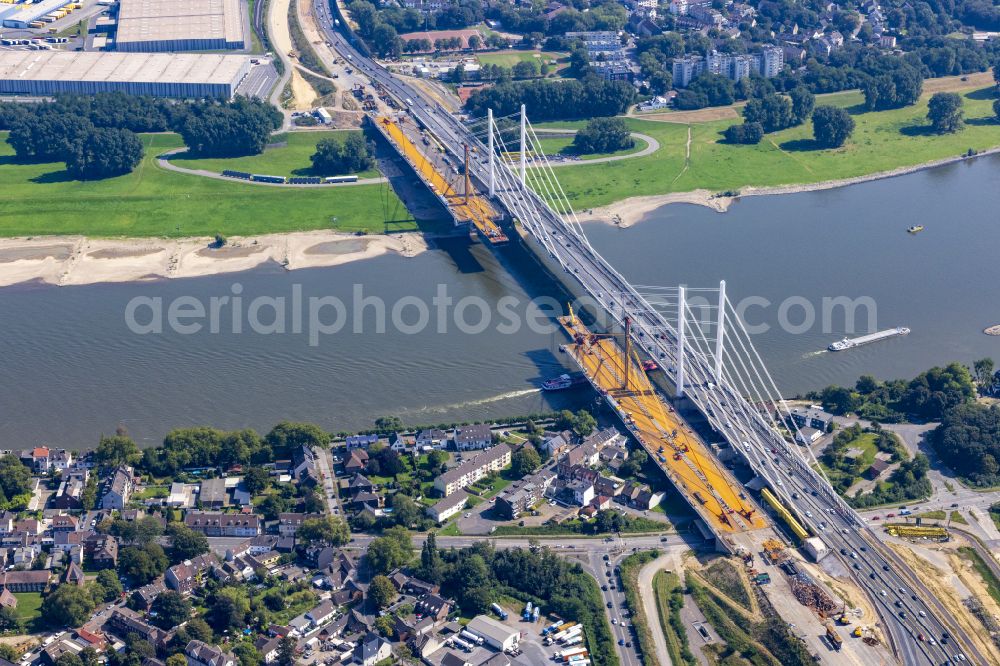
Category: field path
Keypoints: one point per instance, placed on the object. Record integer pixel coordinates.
(163, 161)
(649, 609)
(652, 145)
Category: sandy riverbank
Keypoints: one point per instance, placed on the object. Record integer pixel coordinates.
(630, 211)
(75, 260)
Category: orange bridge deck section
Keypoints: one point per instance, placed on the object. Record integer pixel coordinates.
(474, 208)
(683, 457)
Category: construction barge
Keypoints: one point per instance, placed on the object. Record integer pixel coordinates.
(851, 343)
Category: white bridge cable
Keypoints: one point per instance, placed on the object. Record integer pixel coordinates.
(514, 201)
(547, 168)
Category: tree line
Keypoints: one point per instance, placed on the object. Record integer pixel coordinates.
(96, 135)
(555, 100)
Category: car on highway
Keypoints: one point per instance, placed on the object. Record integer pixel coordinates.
(610, 605)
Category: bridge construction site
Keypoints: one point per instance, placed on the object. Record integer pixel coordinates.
(621, 379)
(431, 167)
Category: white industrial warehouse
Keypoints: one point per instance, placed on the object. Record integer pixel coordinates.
(181, 25)
(180, 75)
(22, 15)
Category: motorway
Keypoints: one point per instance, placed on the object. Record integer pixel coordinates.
(906, 606)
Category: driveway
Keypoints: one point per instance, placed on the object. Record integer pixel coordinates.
(649, 608)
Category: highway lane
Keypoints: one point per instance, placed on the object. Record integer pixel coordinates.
(830, 517)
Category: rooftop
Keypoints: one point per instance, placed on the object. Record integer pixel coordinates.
(121, 67)
(179, 20)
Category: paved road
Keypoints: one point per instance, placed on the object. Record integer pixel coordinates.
(652, 145)
(165, 162)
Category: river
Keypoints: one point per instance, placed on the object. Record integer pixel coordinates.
(73, 369)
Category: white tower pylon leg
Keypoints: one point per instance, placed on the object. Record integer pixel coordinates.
(681, 306)
(493, 171)
(524, 147)
(720, 331)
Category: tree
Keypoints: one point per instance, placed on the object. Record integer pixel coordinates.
(88, 498)
(436, 459)
(69, 606)
(773, 112)
(177, 660)
(10, 622)
(983, 370)
(603, 135)
(584, 423)
(388, 424)
(272, 505)
(287, 436)
(229, 129)
(15, 479)
(104, 153)
(171, 609)
(404, 510)
(803, 102)
(382, 592)
(247, 654)
(430, 560)
(116, 451)
(996, 108)
(49, 135)
(286, 650)
(832, 126)
(386, 41)
(331, 530)
(229, 609)
(109, 584)
(945, 112)
(893, 89)
(717, 89)
(475, 42)
(256, 480)
(185, 543)
(69, 659)
(9, 652)
(391, 550)
(141, 565)
(334, 156)
(525, 461)
(746, 133)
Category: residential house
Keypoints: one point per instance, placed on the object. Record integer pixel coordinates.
(581, 491)
(63, 523)
(181, 495)
(647, 499)
(267, 648)
(449, 506)
(418, 588)
(371, 650)
(807, 435)
(212, 494)
(357, 461)
(7, 521)
(203, 654)
(67, 541)
(433, 606)
(321, 613)
(144, 596)
(185, 576)
(289, 523)
(223, 524)
(473, 437)
(431, 438)
(523, 495)
(7, 599)
(120, 489)
(557, 443)
(125, 621)
(401, 443)
(811, 418)
(304, 466)
(360, 441)
(474, 469)
(359, 484)
(101, 550)
(60, 459)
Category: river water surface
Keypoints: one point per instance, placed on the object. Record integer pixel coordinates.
(72, 369)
